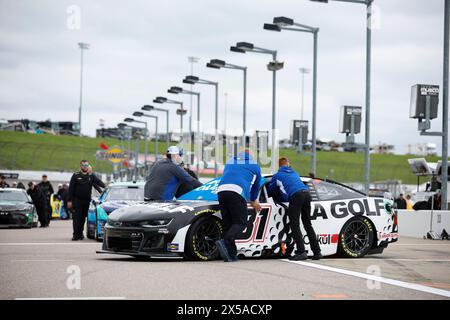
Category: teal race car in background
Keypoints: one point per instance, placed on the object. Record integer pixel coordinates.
(115, 196)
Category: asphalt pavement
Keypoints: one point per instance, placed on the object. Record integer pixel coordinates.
(44, 264)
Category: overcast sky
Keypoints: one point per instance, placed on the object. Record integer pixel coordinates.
(139, 49)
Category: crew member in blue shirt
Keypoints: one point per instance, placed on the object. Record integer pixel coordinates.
(239, 184)
(288, 184)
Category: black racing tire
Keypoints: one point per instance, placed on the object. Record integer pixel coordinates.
(356, 238)
(201, 239)
(96, 232)
(89, 235)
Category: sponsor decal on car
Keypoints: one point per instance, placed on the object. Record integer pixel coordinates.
(324, 239)
(172, 246)
(170, 207)
(384, 236)
(342, 209)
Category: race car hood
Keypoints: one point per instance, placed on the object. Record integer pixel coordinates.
(155, 210)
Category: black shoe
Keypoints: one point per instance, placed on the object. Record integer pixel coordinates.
(299, 257)
(317, 256)
(223, 251)
(75, 239)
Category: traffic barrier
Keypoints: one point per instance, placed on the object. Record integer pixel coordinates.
(418, 223)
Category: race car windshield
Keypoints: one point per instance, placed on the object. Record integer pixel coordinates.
(125, 194)
(13, 196)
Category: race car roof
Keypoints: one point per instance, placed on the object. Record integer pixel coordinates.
(127, 184)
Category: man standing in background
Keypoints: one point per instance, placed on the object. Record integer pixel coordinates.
(40, 202)
(79, 196)
(47, 189)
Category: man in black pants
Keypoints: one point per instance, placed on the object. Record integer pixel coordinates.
(47, 189)
(40, 202)
(239, 183)
(79, 197)
(288, 184)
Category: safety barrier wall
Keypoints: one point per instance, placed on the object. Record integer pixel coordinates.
(417, 223)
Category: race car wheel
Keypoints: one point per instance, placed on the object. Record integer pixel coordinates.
(96, 232)
(356, 238)
(89, 234)
(201, 239)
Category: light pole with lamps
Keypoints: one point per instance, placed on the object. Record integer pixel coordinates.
(82, 46)
(152, 108)
(196, 80)
(129, 120)
(141, 114)
(179, 90)
(181, 112)
(274, 66)
(283, 23)
(368, 4)
(136, 144)
(303, 71)
(218, 64)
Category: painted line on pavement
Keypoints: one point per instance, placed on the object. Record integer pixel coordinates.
(74, 298)
(392, 282)
(391, 259)
(42, 260)
(47, 244)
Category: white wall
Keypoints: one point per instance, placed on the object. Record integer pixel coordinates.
(417, 223)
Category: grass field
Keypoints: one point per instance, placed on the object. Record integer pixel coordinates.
(25, 151)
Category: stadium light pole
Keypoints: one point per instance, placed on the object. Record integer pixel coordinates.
(218, 64)
(179, 90)
(181, 112)
(368, 4)
(136, 145)
(141, 114)
(152, 108)
(192, 60)
(122, 126)
(444, 180)
(284, 23)
(303, 71)
(196, 80)
(274, 66)
(82, 46)
(146, 135)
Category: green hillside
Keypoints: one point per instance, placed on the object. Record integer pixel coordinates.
(25, 151)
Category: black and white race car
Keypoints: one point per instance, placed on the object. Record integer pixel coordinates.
(346, 221)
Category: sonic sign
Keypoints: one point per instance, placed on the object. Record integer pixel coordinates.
(113, 154)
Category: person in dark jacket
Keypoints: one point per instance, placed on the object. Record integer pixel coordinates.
(184, 187)
(3, 183)
(20, 185)
(47, 188)
(166, 176)
(79, 197)
(400, 202)
(292, 189)
(40, 202)
(239, 184)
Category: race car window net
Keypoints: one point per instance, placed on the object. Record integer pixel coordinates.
(330, 191)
